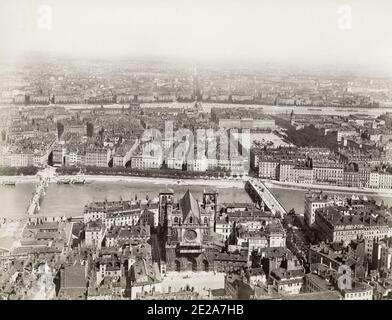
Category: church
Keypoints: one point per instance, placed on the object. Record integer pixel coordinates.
(187, 226)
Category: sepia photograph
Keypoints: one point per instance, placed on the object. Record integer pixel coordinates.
(210, 151)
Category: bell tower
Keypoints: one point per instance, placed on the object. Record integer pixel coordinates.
(165, 206)
(210, 204)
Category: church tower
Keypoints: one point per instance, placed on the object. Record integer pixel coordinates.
(210, 205)
(165, 207)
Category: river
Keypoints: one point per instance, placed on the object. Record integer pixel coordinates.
(69, 200)
(268, 109)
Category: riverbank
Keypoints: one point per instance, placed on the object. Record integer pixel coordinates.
(337, 189)
(218, 182)
(17, 179)
(221, 183)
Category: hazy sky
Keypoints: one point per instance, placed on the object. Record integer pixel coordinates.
(291, 31)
